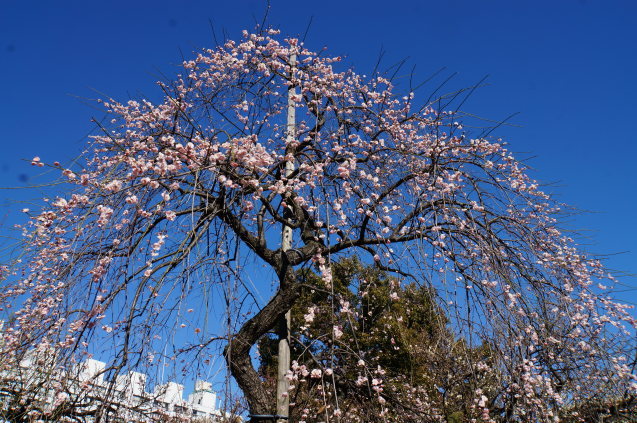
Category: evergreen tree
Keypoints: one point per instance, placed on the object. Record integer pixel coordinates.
(377, 340)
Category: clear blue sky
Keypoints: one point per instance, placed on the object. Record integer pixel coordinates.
(569, 67)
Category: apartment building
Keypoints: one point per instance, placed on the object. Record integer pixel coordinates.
(82, 393)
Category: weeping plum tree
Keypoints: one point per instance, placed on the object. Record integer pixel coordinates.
(166, 252)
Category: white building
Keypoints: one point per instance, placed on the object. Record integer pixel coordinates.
(127, 394)
(203, 399)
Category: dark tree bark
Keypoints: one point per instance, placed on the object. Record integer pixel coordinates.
(237, 352)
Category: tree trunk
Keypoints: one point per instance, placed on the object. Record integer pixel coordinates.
(237, 352)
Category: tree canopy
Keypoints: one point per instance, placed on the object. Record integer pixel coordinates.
(180, 205)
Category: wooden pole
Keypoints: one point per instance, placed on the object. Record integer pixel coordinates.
(283, 384)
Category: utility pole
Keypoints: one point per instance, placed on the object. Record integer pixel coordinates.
(283, 384)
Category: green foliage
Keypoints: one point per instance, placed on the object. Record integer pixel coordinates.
(368, 326)
(455, 417)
